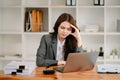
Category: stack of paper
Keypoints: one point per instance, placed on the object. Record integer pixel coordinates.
(108, 68)
(23, 68)
(91, 28)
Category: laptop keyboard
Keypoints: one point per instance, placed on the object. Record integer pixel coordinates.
(60, 69)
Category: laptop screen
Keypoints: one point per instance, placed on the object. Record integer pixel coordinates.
(80, 62)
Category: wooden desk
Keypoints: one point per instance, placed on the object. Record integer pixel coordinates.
(84, 75)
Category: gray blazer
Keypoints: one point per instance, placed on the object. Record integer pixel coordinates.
(46, 53)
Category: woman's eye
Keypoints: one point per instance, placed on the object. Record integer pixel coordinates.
(62, 27)
(69, 29)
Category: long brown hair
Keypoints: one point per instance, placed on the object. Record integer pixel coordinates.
(70, 42)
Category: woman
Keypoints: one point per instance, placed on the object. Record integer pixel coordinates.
(55, 47)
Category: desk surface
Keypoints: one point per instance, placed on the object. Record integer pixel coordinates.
(84, 75)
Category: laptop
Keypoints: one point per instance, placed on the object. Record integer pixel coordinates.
(79, 62)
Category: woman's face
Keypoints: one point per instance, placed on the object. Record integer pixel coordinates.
(64, 30)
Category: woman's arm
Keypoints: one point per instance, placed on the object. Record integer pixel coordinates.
(76, 34)
(41, 58)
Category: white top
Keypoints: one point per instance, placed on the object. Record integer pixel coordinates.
(59, 55)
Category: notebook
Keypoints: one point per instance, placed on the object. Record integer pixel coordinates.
(79, 62)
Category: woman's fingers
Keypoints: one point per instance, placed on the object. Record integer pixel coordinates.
(74, 27)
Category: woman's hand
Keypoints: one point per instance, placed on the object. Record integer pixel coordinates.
(76, 34)
(61, 63)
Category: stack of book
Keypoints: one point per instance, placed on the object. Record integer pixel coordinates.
(33, 20)
(22, 68)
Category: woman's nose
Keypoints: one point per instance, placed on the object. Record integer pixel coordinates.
(64, 30)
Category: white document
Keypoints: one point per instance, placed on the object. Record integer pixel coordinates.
(19, 67)
(108, 68)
